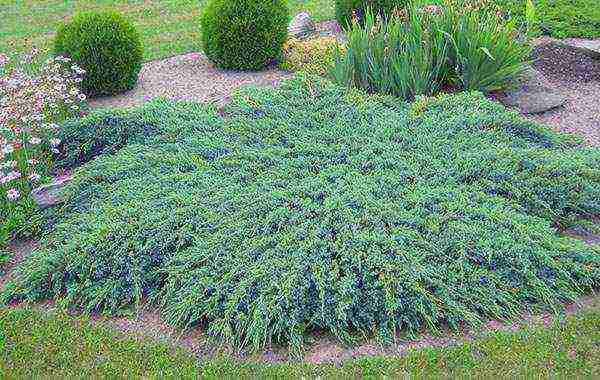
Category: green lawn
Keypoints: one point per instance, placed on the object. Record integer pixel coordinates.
(169, 27)
(33, 344)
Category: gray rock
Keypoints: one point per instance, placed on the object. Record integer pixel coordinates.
(531, 95)
(49, 195)
(591, 48)
(302, 25)
(529, 77)
(536, 99)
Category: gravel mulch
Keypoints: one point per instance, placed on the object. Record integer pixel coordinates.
(189, 77)
(577, 77)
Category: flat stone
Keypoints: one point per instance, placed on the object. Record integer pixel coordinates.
(591, 48)
(49, 195)
(536, 99)
(302, 26)
(529, 77)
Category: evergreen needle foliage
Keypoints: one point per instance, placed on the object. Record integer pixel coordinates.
(314, 207)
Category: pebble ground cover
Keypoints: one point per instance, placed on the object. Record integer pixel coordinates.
(312, 207)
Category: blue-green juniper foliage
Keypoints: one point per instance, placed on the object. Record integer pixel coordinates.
(312, 207)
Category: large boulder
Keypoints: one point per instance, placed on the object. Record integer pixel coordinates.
(537, 100)
(532, 96)
(302, 26)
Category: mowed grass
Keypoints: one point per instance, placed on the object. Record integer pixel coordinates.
(35, 344)
(171, 27)
(168, 27)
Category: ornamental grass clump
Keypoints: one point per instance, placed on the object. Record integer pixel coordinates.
(312, 207)
(348, 11)
(486, 52)
(34, 97)
(421, 50)
(405, 56)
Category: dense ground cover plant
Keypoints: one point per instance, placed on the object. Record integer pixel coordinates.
(420, 50)
(244, 34)
(5, 253)
(34, 96)
(107, 46)
(348, 11)
(316, 207)
(314, 56)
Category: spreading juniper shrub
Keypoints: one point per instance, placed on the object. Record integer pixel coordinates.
(314, 207)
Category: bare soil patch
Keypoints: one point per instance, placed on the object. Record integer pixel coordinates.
(20, 251)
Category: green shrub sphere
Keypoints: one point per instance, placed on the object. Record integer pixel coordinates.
(344, 9)
(107, 46)
(244, 34)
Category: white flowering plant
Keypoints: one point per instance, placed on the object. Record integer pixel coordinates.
(35, 95)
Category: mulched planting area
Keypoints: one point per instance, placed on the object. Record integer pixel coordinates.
(188, 77)
(577, 77)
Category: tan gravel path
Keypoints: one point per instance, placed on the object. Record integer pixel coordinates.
(577, 77)
(189, 77)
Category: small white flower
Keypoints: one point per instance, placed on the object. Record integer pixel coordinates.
(32, 161)
(8, 149)
(14, 175)
(54, 142)
(10, 164)
(35, 141)
(34, 177)
(13, 194)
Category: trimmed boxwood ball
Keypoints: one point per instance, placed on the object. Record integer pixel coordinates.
(244, 34)
(344, 8)
(107, 46)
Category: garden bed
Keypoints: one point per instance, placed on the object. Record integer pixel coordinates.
(573, 78)
(311, 207)
(275, 217)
